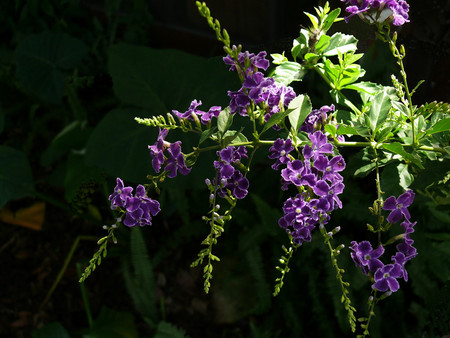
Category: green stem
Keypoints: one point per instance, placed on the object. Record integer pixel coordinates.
(379, 200)
(87, 308)
(64, 267)
(371, 314)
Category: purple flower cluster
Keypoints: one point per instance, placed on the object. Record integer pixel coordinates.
(193, 112)
(173, 162)
(371, 10)
(317, 177)
(139, 208)
(317, 119)
(385, 276)
(256, 88)
(229, 179)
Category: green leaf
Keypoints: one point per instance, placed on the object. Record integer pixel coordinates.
(405, 176)
(299, 108)
(233, 136)
(379, 110)
(119, 145)
(323, 43)
(72, 137)
(54, 330)
(275, 119)
(397, 148)
(331, 129)
(224, 120)
(16, 180)
(278, 59)
(166, 79)
(330, 18)
(289, 72)
(442, 125)
(366, 87)
(139, 277)
(340, 42)
(168, 330)
(113, 324)
(206, 134)
(43, 59)
(300, 45)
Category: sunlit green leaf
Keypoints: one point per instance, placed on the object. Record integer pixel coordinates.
(340, 42)
(442, 125)
(299, 108)
(379, 110)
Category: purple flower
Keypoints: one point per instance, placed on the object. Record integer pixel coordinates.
(316, 119)
(239, 102)
(279, 151)
(139, 208)
(238, 185)
(297, 174)
(248, 61)
(297, 219)
(330, 168)
(175, 161)
(319, 145)
(399, 206)
(157, 150)
(214, 111)
(386, 278)
(120, 195)
(365, 257)
(322, 189)
(375, 10)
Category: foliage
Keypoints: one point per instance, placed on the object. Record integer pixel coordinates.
(389, 144)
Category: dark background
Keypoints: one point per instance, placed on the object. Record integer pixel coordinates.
(307, 306)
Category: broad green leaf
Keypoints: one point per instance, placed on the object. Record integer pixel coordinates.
(442, 125)
(379, 110)
(16, 180)
(289, 72)
(346, 130)
(54, 329)
(113, 324)
(397, 148)
(366, 87)
(119, 145)
(340, 42)
(233, 136)
(164, 79)
(224, 120)
(43, 59)
(299, 108)
(73, 136)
